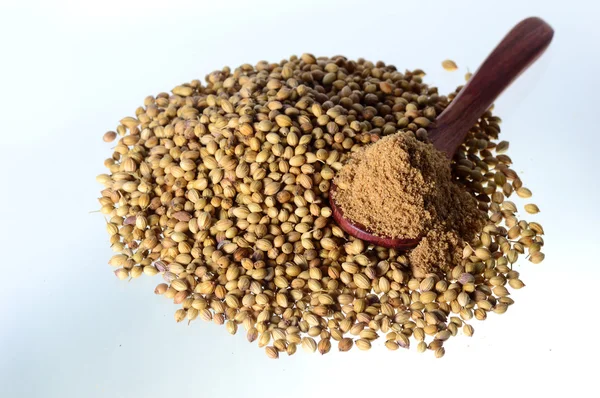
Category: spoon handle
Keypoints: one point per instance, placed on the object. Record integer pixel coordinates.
(519, 49)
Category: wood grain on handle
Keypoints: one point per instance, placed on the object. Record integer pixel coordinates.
(519, 49)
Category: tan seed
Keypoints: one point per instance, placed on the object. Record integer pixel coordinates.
(391, 345)
(440, 352)
(362, 281)
(363, 344)
(532, 208)
(109, 136)
(537, 257)
(345, 344)
(272, 352)
(523, 192)
(309, 345)
(324, 346)
(516, 283)
(449, 65)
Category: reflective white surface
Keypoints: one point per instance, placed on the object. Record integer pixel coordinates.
(70, 70)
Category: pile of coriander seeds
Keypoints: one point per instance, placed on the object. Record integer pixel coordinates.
(222, 189)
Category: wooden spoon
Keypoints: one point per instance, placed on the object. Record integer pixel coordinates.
(519, 49)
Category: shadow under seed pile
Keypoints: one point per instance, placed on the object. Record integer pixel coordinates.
(402, 188)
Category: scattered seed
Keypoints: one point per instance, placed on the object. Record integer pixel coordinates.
(532, 208)
(324, 346)
(272, 352)
(109, 136)
(524, 192)
(468, 330)
(440, 352)
(449, 65)
(309, 345)
(516, 283)
(537, 257)
(363, 344)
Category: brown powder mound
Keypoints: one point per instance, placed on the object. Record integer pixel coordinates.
(401, 187)
(439, 249)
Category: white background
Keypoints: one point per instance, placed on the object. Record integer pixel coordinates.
(69, 70)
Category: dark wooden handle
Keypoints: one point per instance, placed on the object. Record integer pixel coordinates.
(519, 49)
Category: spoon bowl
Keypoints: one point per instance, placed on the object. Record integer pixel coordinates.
(361, 232)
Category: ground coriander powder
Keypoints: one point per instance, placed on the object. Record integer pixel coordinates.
(403, 188)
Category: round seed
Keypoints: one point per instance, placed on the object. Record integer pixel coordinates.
(532, 208)
(363, 344)
(109, 136)
(449, 65)
(272, 352)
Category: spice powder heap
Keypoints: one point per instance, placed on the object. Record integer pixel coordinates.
(402, 188)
